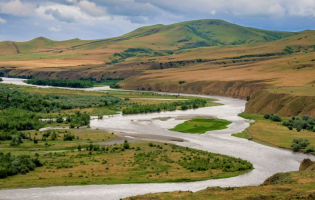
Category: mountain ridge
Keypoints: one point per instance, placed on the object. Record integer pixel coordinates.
(183, 35)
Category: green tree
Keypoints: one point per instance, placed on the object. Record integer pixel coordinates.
(126, 145)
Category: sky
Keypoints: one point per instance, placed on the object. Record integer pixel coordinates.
(23, 20)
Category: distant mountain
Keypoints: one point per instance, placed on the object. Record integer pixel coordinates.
(191, 34)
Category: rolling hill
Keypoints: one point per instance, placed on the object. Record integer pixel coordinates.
(185, 35)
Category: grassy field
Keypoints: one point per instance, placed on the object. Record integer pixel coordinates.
(201, 125)
(38, 56)
(242, 134)
(273, 133)
(142, 162)
(293, 185)
(83, 136)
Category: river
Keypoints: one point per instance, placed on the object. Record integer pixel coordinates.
(266, 160)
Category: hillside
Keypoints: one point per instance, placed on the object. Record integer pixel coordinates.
(185, 35)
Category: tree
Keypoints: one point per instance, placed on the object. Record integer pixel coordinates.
(267, 116)
(54, 136)
(296, 147)
(59, 119)
(79, 148)
(126, 145)
(276, 118)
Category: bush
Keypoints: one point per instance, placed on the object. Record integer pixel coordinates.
(310, 150)
(12, 165)
(267, 116)
(296, 147)
(54, 136)
(126, 145)
(184, 107)
(305, 122)
(305, 143)
(72, 125)
(68, 137)
(59, 119)
(298, 144)
(276, 118)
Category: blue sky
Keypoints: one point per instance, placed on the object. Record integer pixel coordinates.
(22, 20)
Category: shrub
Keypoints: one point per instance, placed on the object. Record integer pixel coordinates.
(59, 119)
(267, 116)
(54, 136)
(276, 118)
(305, 143)
(126, 145)
(72, 125)
(16, 140)
(296, 147)
(184, 107)
(68, 137)
(310, 150)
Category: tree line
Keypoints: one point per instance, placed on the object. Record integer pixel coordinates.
(12, 165)
(61, 83)
(184, 105)
(11, 98)
(300, 123)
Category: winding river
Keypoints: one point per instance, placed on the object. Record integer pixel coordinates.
(266, 160)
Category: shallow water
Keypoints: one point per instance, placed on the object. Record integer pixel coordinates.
(266, 160)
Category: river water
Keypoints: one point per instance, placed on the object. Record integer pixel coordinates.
(266, 160)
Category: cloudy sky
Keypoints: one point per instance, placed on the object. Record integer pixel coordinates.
(22, 20)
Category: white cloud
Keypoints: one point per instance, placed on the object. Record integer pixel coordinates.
(16, 7)
(239, 7)
(68, 18)
(90, 8)
(36, 23)
(2, 21)
(213, 12)
(54, 29)
(72, 13)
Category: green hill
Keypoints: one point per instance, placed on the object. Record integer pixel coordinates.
(190, 34)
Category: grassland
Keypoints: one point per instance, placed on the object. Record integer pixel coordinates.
(201, 125)
(142, 162)
(273, 133)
